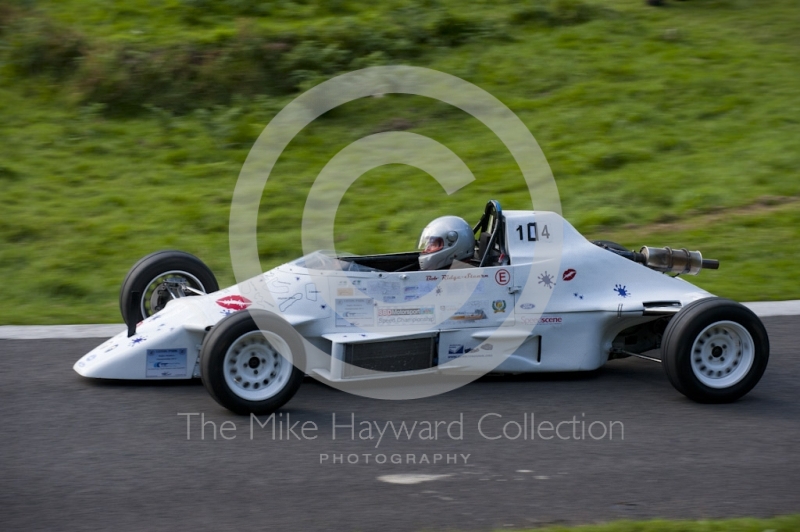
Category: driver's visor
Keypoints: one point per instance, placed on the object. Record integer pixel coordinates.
(430, 244)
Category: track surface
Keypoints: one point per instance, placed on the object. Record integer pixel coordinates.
(79, 454)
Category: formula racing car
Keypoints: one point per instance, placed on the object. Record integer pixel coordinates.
(525, 293)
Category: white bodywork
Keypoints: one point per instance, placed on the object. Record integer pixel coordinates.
(595, 294)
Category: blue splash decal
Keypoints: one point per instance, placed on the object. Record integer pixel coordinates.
(622, 290)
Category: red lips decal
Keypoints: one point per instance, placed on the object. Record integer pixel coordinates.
(569, 275)
(234, 302)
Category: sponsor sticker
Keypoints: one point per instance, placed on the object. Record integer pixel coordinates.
(544, 320)
(463, 276)
(475, 315)
(355, 312)
(499, 306)
(550, 319)
(406, 315)
(417, 311)
(164, 363)
(455, 349)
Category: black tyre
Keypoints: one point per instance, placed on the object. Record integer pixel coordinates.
(715, 350)
(251, 365)
(160, 277)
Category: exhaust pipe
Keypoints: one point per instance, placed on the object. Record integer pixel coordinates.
(680, 261)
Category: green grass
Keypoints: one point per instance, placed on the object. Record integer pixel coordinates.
(675, 126)
(776, 524)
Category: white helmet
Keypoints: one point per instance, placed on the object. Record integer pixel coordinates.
(444, 240)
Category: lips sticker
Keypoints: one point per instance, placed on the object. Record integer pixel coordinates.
(234, 302)
(569, 275)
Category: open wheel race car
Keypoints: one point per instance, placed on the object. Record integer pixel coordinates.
(381, 314)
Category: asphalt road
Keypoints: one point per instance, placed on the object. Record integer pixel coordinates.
(79, 454)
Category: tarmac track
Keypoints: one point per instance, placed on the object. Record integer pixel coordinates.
(77, 454)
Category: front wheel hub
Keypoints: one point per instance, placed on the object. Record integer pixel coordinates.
(166, 287)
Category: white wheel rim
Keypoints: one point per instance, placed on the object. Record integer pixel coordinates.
(146, 302)
(257, 365)
(722, 354)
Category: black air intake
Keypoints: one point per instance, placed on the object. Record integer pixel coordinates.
(394, 356)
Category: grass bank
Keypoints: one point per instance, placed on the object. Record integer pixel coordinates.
(674, 126)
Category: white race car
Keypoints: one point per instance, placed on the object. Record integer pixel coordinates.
(535, 297)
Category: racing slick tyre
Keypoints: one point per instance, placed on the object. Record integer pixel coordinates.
(251, 365)
(714, 350)
(160, 277)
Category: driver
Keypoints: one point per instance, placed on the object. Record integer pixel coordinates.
(444, 240)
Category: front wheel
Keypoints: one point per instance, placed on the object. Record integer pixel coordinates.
(160, 277)
(252, 365)
(715, 350)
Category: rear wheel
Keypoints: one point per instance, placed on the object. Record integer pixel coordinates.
(251, 365)
(715, 350)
